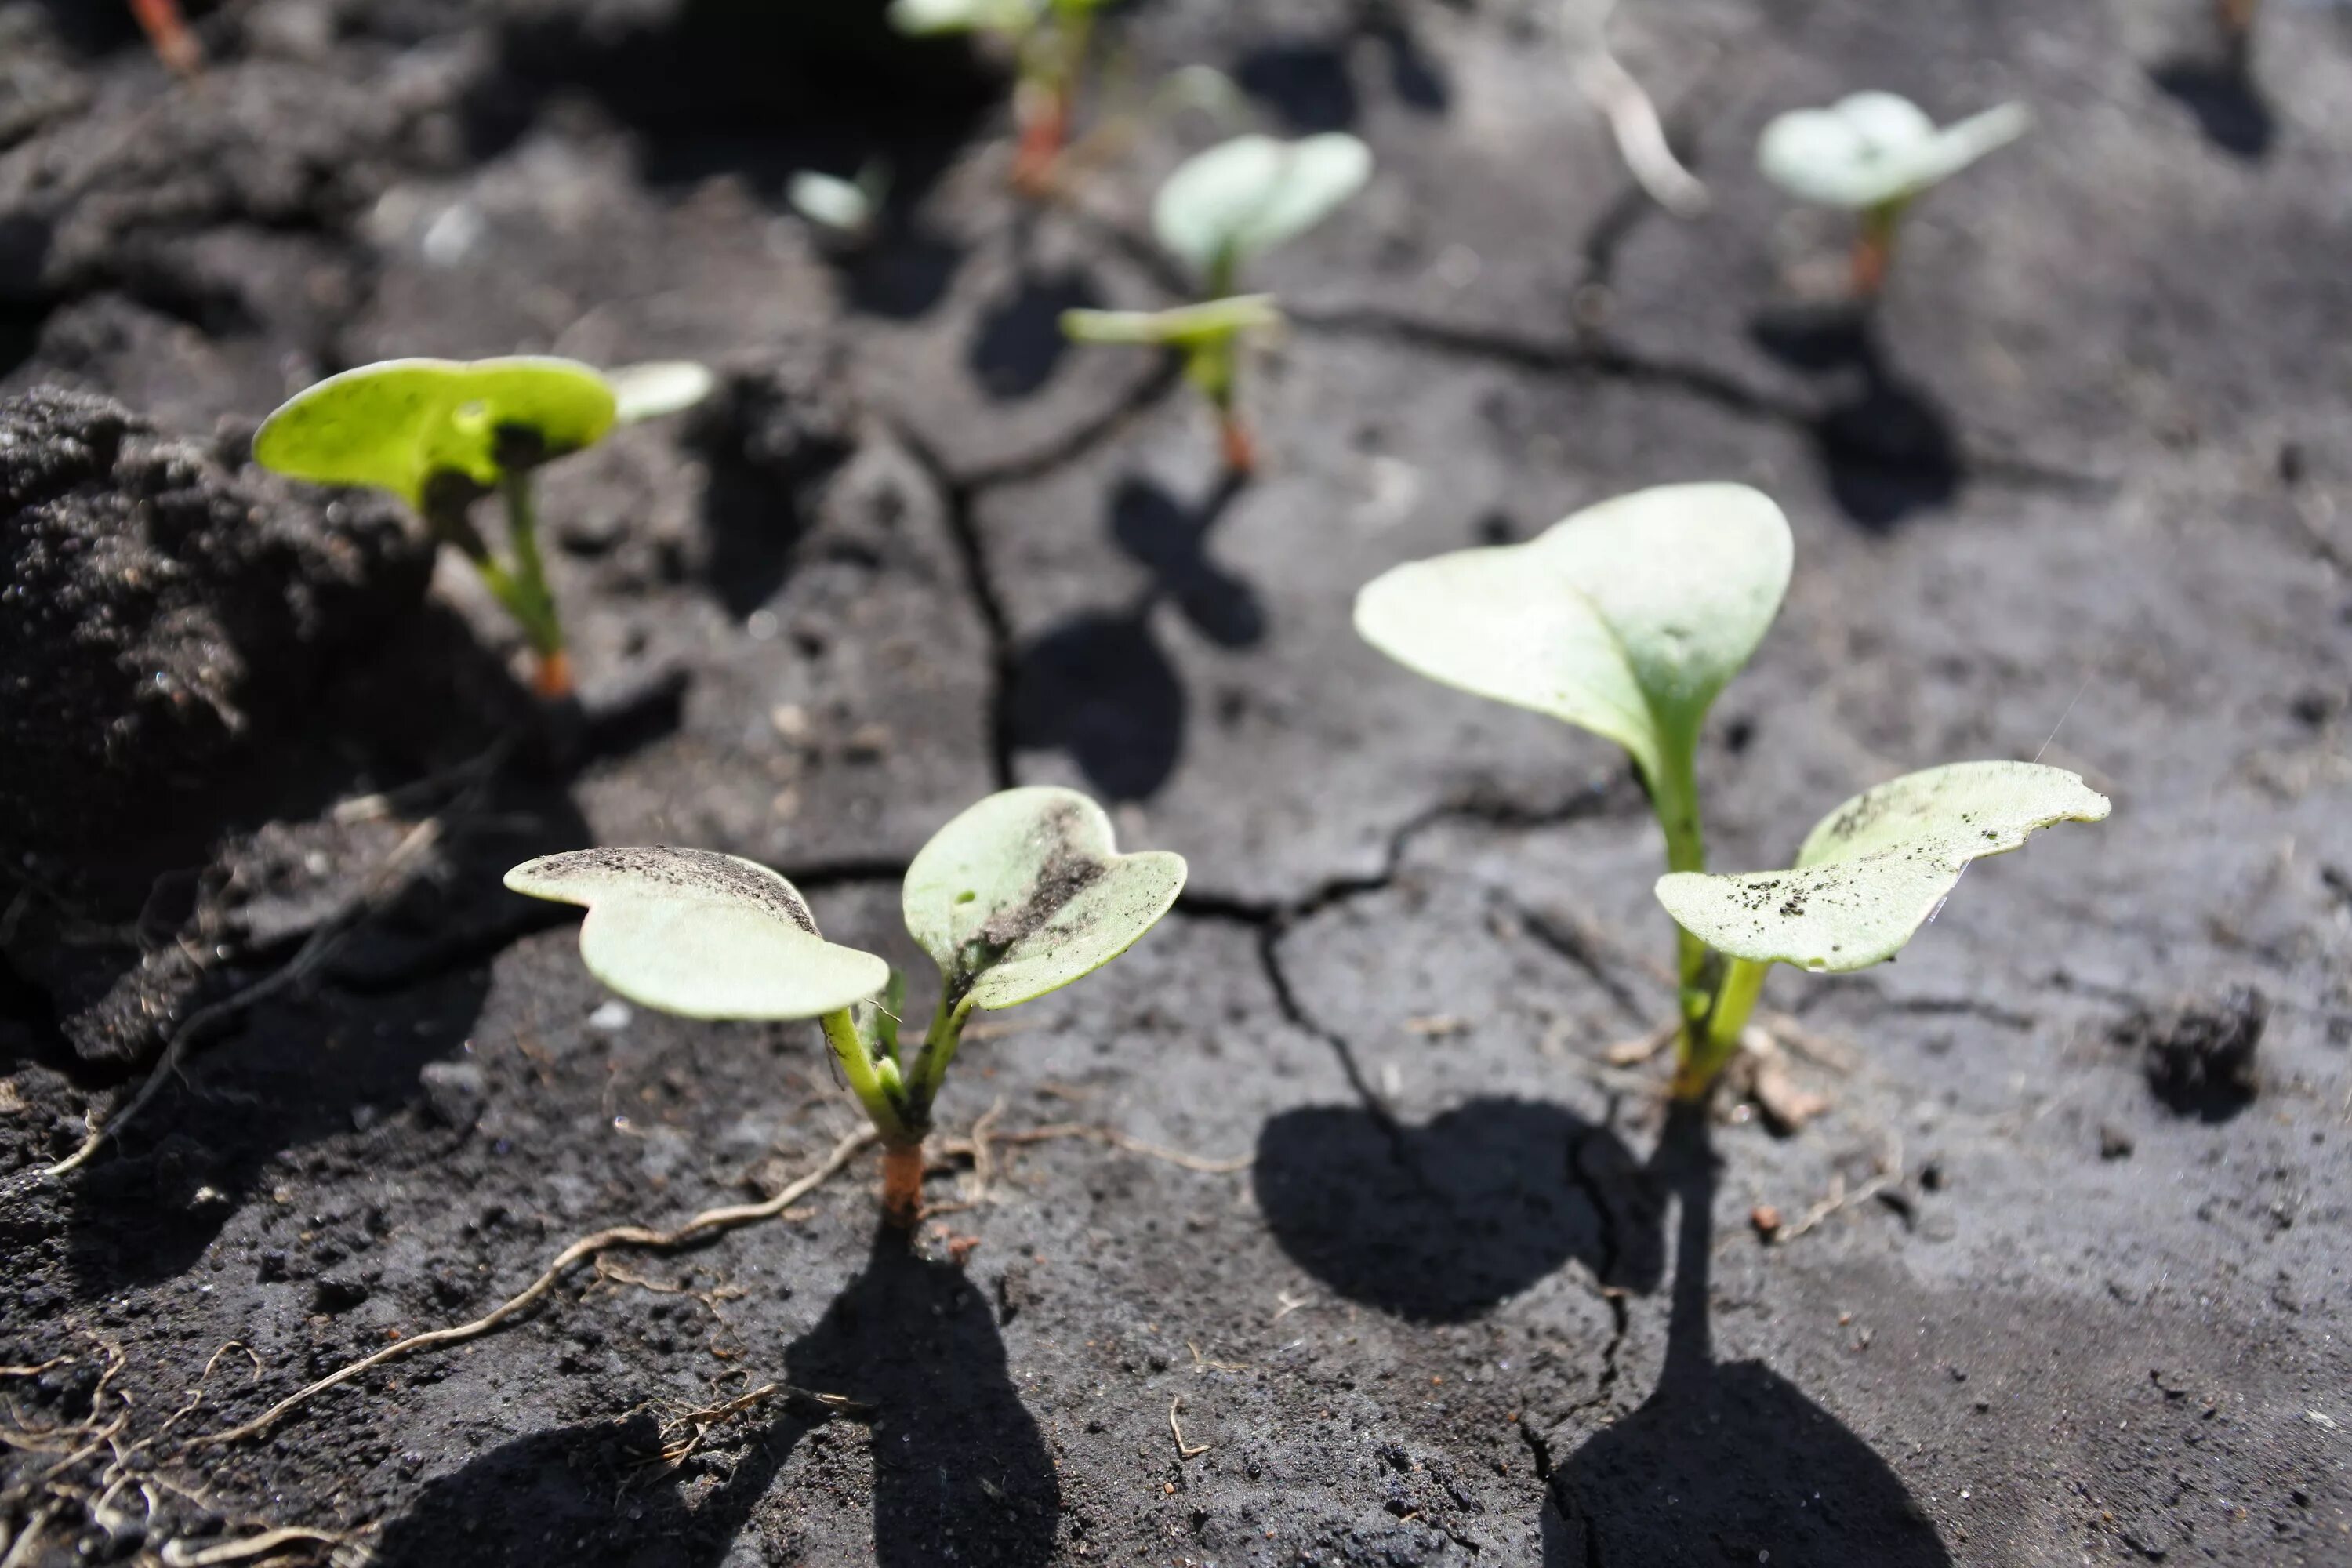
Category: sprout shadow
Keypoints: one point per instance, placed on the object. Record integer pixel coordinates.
(960, 1473)
(762, 458)
(1886, 448)
(1310, 86)
(1019, 343)
(1437, 1224)
(1099, 687)
(2224, 98)
(1725, 1463)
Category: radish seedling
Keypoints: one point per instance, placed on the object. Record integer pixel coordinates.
(1019, 896)
(1051, 38)
(1873, 155)
(1218, 211)
(441, 435)
(848, 210)
(1627, 620)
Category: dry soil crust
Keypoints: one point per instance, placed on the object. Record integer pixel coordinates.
(1473, 1300)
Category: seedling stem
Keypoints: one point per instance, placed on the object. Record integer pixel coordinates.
(167, 30)
(1874, 247)
(1045, 99)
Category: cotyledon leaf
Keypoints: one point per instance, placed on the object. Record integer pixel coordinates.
(395, 425)
(1875, 147)
(1024, 894)
(1626, 618)
(1182, 327)
(1873, 871)
(701, 934)
(1244, 197)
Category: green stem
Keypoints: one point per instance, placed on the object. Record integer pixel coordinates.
(526, 592)
(876, 1085)
(939, 1048)
(1707, 1048)
(1674, 795)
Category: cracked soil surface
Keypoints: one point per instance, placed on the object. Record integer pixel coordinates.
(1432, 1280)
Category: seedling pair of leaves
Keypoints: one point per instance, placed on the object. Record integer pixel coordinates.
(441, 435)
(1627, 619)
(1219, 211)
(1873, 153)
(1052, 38)
(1019, 896)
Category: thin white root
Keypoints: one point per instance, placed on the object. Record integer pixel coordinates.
(710, 1222)
(180, 1554)
(1641, 137)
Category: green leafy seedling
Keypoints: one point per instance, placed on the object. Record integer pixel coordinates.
(1873, 153)
(1020, 895)
(442, 434)
(1220, 210)
(1627, 619)
(1052, 38)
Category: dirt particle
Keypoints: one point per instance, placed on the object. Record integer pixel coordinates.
(2200, 1055)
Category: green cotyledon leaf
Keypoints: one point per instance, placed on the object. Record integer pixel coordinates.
(1873, 871)
(396, 425)
(701, 934)
(1626, 618)
(1024, 892)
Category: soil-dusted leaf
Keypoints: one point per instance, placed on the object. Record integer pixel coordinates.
(1626, 618)
(1879, 866)
(701, 934)
(1184, 327)
(1873, 148)
(1244, 197)
(649, 391)
(1024, 894)
(396, 423)
(846, 207)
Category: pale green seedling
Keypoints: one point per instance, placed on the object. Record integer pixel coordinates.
(442, 434)
(1052, 38)
(1873, 153)
(849, 210)
(1627, 619)
(1017, 896)
(1220, 210)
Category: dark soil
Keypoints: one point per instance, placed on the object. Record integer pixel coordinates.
(2079, 490)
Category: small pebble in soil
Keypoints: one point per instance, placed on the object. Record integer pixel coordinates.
(453, 1092)
(2114, 1144)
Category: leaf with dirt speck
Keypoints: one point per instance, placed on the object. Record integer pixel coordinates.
(396, 425)
(1625, 619)
(701, 934)
(1024, 894)
(1876, 870)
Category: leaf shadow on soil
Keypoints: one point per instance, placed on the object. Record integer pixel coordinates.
(1887, 448)
(1099, 686)
(1310, 84)
(1439, 1223)
(1726, 1462)
(2223, 96)
(960, 1471)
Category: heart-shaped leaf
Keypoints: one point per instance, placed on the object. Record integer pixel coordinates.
(701, 934)
(1024, 894)
(1184, 327)
(395, 425)
(1879, 866)
(1626, 618)
(649, 391)
(1241, 198)
(1873, 148)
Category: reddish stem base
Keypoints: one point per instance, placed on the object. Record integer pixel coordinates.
(168, 31)
(550, 676)
(902, 1185)
(1043, 133)
(1239, 447)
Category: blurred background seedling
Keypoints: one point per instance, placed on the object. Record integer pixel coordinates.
(1220, 210)
(442, 434)
(1873, 155)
